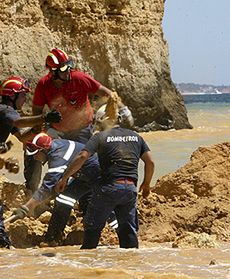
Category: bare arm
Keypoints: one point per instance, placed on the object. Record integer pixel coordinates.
(31, 204)
(29, 121)
(103, 91)
(148, 173)
(75, 165)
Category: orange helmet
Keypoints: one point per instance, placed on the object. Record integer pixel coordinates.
(40, 141)
(58, 59)
(13, 85)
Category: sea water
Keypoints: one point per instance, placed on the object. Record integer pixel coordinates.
(209, 115)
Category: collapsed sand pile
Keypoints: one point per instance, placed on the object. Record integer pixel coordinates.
(194, 199)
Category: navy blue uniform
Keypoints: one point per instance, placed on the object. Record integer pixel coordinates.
(7, 116)
(119, 151)
(33, 168)
(59, 156)
(4, 240)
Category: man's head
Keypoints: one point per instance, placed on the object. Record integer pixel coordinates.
(59, 64)
(39, 146)
(103, 120)
(13, 91)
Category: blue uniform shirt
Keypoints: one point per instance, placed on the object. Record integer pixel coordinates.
(61, 153)
(7, 116)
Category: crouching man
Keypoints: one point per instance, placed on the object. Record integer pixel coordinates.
(119, 151)
(59, 153)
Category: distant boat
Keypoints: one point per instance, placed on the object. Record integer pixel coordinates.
(217, 91)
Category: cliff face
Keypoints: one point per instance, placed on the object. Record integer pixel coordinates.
(119, 42)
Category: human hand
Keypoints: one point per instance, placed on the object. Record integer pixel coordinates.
(145, 188)
(60, 186)
(20, 213)
(53, 116)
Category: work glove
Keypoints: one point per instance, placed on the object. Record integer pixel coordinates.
(53, 116)
(20, 213)
(126, 118)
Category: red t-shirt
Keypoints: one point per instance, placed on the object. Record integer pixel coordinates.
(71, 99)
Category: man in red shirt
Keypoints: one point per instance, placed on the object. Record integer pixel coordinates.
(67, 90)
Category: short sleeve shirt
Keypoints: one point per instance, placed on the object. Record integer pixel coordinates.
(119, 151)
(7, 117)
(71, 99)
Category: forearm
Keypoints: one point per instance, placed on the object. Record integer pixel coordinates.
(103, 91)
(42, 194)
(31, 204)
(75, 165)
(29, 121)
(148, 173)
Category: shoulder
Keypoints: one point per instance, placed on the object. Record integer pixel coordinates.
(44, 79)
(8, 111)
(75, 74)
(81, 76)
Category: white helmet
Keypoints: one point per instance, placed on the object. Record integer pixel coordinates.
(100, 113)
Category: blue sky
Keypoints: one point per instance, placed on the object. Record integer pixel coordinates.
(198, 35)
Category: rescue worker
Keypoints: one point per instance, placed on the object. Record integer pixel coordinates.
(4, 240)
(67, 90)
(119, 151)
(13, 92)
(59, 153)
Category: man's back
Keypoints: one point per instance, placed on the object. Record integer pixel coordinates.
(119, 151)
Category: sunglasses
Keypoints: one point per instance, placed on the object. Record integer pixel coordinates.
(62, 69)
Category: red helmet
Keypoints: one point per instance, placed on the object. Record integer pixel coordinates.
(40, 141)
(58, 59)
(13, 85)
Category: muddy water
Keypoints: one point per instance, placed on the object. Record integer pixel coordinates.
(70, 262)
(171, 150)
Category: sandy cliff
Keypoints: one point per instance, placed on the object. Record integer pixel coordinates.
(119, 42)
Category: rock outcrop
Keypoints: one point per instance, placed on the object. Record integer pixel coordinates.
(190, 207)
(119, 42)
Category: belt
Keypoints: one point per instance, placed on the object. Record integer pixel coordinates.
(128, 181)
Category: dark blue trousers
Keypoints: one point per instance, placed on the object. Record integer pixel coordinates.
(4, 240)
(118, 197)
(76, 190)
